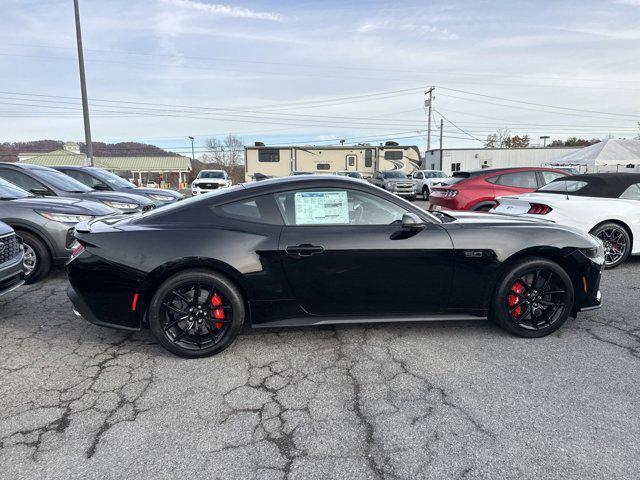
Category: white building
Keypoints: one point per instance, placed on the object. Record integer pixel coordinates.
(455, 159)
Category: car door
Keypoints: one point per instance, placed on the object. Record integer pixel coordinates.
(344, 251)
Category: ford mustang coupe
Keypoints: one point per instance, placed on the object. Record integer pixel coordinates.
(314, 250)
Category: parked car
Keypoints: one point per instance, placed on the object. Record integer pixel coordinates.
(11, 266)
(425, 179)
(209, 180)
(45, 224)
(606, 205)
(106, 181)
(350, 174)
(478, 189)
(298, 172)
(324, 249)
(395, 181)
(47, 182)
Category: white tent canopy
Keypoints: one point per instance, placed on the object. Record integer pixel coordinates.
(608, 152)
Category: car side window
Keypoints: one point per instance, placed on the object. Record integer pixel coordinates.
(260, 209)
(518, 180)
(20, 179)
(549, 177)
(82, 177)
(337, 207)
(418, 175)
(632, 193)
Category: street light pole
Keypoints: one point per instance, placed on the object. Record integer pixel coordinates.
(83, 88)
(193, 154)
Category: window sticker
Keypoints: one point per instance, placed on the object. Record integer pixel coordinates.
(318, 208)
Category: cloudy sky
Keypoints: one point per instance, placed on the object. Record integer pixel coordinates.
(314, 72)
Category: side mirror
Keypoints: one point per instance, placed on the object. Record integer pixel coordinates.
(412, 221)
(41, 191)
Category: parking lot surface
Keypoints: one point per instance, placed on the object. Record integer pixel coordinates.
(399, 401)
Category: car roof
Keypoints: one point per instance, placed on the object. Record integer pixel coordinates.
(26, 166)
(603, 185)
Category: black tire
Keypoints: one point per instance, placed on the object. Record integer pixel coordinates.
(615, 237)
(159, 315)
(547, 312)
(34, 246)
(425, 194)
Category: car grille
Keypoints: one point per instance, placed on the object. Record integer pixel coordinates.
(404, 186)
(146, 208)
(9, 248)
(212, 186)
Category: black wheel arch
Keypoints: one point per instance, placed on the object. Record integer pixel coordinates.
(156, 277)
(33, 230)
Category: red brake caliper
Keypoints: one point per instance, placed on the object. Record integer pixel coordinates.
(218, 313)
(515, 299)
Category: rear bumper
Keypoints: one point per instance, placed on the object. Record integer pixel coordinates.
(81, 309)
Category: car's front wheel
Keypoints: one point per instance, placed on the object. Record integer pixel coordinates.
(534, 298)
(196, 313)
(617, 243)
(37, 259)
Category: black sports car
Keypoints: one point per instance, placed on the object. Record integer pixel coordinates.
(313, 250)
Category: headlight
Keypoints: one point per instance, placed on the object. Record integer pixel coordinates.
(65, 217)
(162, 198)
(121, 205)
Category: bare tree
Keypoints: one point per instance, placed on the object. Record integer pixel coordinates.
(500, 139)
(227, 153)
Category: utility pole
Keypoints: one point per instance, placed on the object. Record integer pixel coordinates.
(441, 129)
(83, 88)
(193, 153)
(544, 139)
(428, 103)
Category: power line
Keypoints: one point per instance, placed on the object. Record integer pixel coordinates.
(463, 131)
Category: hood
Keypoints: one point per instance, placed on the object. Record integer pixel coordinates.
(209, 180)
(123, 197)
(63, 205)
(399, 180)
(5, 229)
(151, 191)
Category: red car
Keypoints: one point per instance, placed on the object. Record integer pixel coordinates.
(478, 189)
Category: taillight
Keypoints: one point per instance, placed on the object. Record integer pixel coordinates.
(539, 209)
(77, 250)
(450, 193)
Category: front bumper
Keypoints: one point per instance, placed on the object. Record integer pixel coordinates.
(589, 296)
(198, 189)
(11, 275)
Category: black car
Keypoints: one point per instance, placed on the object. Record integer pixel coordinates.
(11, 253)
(46, 226)
(45, 181)
(314, 250)
(106, 181)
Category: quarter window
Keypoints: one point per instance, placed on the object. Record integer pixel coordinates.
(268, 155)
(337, 207)
(260, 209)
(632, 193)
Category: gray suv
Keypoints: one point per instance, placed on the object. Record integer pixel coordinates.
(44, 181)
(395, 181)
(46, 225)
(11, 253)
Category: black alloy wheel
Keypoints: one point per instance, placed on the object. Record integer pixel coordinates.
(617, 243)
(196, 313)
(534, 299)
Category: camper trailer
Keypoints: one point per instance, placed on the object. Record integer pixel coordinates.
(280, 161)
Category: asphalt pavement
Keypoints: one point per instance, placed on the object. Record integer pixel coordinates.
(398, 401)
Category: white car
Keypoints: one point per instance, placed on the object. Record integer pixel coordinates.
(425, 179)
(606, 205)
(350, 174)
(209, 180)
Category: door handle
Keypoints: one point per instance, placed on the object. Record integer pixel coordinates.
(304, 250)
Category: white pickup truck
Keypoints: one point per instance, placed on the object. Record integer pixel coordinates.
(425, 179)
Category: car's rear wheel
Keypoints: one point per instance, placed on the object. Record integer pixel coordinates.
(196, 313)
(534, 298)
(37, 258)
(617, 243)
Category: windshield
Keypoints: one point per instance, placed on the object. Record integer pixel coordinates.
(111, 178)
(563, 186)
(8, 191)
(394, 174)
(210, 174)
(435, 175)
(61, 181)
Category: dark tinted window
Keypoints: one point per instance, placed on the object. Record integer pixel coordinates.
(368, 158)
(258, 209)
(268, 155)
(62, 181)
(518, 180)
(82, 177)
(21, 180)
(323, 166)
(393, 155)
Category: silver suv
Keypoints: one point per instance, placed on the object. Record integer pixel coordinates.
(395, 181)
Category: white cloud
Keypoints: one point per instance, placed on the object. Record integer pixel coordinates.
(415, 28)
(224, 10)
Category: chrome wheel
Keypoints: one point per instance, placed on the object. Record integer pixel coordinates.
(615, 244)
(537, 299)
(30, 259)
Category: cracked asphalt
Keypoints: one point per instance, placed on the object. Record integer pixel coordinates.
(399, 401)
